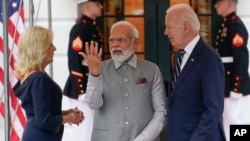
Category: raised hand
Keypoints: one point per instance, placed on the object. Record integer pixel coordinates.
(92, 57)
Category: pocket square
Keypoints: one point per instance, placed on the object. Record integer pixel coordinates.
(141, 81)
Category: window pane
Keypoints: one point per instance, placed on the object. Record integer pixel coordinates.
(142, 56)
(107, 25)
(134, 7)
(139, 23)
(112, 7)
(172, 2)
(202, 6)
(205, 31)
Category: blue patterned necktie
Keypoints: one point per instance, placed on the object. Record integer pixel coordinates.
(177, 66)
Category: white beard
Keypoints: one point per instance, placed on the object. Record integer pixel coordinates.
(125, 53)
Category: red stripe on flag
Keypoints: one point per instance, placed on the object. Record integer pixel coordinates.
(22, 14)
(13, 134)
(1, 76)
(13, 31)
(1, 46)
(15, 26)
(17, 108)
(12, 59)
(2, 108)
(14, 102)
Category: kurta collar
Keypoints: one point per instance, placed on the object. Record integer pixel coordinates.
(132, 62)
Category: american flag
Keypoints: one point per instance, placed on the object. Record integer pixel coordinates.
(15, 27)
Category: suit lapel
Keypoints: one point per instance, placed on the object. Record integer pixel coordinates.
(189, 64)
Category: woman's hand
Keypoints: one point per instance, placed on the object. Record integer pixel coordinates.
(77, 117)
(73, 116)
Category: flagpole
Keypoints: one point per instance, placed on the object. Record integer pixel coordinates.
(6, 71)
(31, 12)
(50, 26)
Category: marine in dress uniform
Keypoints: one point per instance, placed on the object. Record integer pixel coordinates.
(85, 30)
(231, 44)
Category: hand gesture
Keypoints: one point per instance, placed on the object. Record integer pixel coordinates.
(92, 57)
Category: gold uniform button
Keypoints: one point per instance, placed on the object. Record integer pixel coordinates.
(79, 80)
(87, 74)
(82, 91)
(236, 84)
(80, 86)
(219, 30)
(228, 72)
(235, 90)
(237, 78)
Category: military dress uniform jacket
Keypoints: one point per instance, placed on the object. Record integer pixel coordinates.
(231, 43)
(85, 30)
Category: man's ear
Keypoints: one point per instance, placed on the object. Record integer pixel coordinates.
(136, 41)
(187, 27)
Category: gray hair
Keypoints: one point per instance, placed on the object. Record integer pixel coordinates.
(185, 12)
(135, 32)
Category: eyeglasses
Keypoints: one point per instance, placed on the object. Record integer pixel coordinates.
(119, 39)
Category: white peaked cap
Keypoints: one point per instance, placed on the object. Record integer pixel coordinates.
(82, 1)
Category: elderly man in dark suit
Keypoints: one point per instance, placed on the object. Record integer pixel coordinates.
(196, 88)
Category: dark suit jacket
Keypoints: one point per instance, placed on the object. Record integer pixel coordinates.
(196, 102)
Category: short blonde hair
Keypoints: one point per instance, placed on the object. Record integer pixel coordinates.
(32, 45)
